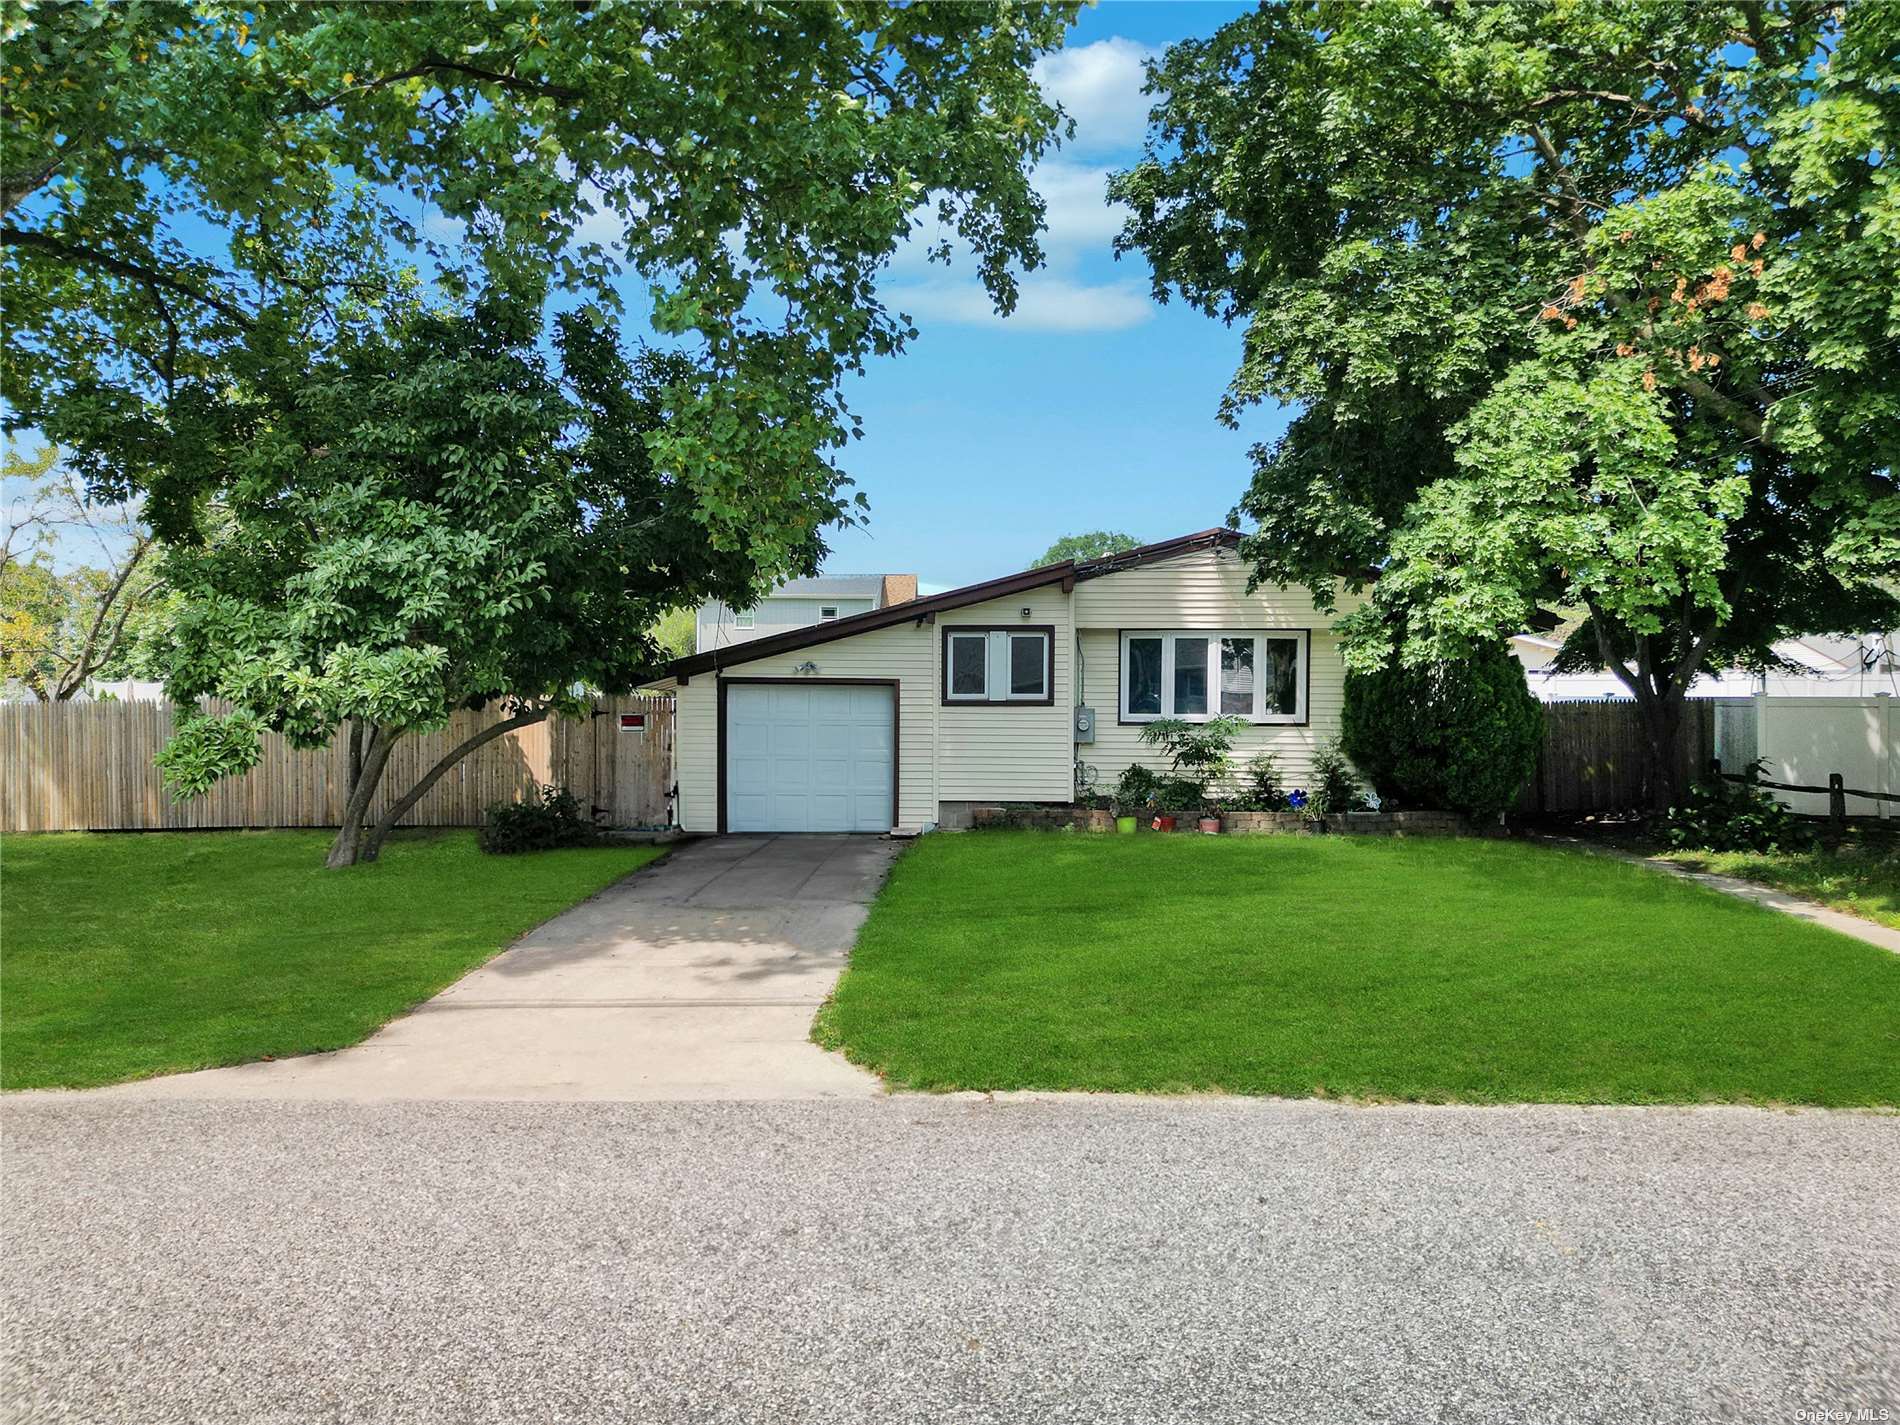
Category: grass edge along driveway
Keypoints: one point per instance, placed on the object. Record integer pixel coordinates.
(128, 955)
(1424, 970)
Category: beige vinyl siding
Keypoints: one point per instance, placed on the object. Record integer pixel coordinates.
(1025, 752)
(1205, 589)
(696, 755)
(1010, 752)
(902, 652)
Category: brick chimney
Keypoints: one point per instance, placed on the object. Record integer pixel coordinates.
(898, 589)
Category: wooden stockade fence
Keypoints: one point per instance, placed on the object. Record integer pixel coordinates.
(88, 767)
(1592, 758)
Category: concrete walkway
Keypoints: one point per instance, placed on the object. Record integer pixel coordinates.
(1852, 925)
(694, 979)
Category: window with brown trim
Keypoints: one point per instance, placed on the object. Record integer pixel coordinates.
(999, 665)
(1258, 675)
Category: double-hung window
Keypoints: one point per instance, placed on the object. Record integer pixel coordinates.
(742, 618)
(999, 665)
(1258, 675)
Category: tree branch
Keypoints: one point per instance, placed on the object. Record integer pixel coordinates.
(84, 664)
(400, 808)
(435, 64)
(119, 266)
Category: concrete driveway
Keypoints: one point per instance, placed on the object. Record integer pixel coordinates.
(696, 978)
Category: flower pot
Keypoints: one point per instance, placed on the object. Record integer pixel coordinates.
(1210, 826)
(1125, 825)
(1099, 821)
(1163, 823)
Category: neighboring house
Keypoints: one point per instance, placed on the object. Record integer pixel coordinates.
(909, 715)
(1832, 668)
(797, 604)
(97, 690)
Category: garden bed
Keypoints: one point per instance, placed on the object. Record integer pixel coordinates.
(1233, 823)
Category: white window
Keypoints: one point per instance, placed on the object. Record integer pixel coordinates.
(998, 665)
(1255, 674)
(742, 620)
(827, 612)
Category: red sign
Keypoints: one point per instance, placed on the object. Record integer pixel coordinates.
(633, 722)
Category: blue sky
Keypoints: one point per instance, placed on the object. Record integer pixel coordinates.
(1092, 407)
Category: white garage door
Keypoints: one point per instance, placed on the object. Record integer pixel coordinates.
(808, 757)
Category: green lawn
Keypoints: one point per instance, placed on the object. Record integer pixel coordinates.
(129, 955)
(1480, 971)
(1861, 876)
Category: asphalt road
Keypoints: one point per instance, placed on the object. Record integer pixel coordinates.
(943, 1260)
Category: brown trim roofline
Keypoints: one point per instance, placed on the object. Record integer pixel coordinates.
(926, 609)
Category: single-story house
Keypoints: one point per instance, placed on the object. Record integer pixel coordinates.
(911, 715)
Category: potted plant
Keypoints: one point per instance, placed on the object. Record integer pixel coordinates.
(1134, 790)
(1201, 755)
(1210, 819)
(1175, 798)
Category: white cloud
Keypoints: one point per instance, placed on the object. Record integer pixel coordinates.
(1099, 85)
(1079, 213)
(1079, 218)
(1046, 302)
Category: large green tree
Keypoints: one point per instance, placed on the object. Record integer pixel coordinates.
(187, 185)
(1593, 306)
(1096, 544)
(79, 589)
(430, 515)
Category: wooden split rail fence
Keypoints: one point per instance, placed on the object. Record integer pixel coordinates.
(88, 767)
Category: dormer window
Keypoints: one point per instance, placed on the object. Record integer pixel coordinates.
(827, 612)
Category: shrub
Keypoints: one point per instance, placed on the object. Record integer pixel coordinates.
(1260, 788)
(1201, 753)
(1336, 786)
(546, 819)
(1135, 789)
(1457, 737)
(1719, 815)
(1179, 796)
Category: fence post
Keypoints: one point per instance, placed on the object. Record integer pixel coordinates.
(1837, 800)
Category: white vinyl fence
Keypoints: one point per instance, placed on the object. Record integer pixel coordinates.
(1806, 740)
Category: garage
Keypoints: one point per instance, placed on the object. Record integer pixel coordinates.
(800, 755)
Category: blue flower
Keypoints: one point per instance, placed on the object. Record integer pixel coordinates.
(1296, 799)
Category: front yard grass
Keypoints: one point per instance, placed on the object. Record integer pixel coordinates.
(129, 955)
(1475, 971)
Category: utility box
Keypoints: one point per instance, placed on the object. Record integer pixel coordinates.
(1085, 725)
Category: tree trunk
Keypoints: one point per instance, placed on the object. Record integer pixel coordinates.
(347, 849)
(1662, 725)
(1659, 685)
(372, 844)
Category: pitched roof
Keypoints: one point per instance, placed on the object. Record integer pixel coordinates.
(1067, 573)
(864, 587)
